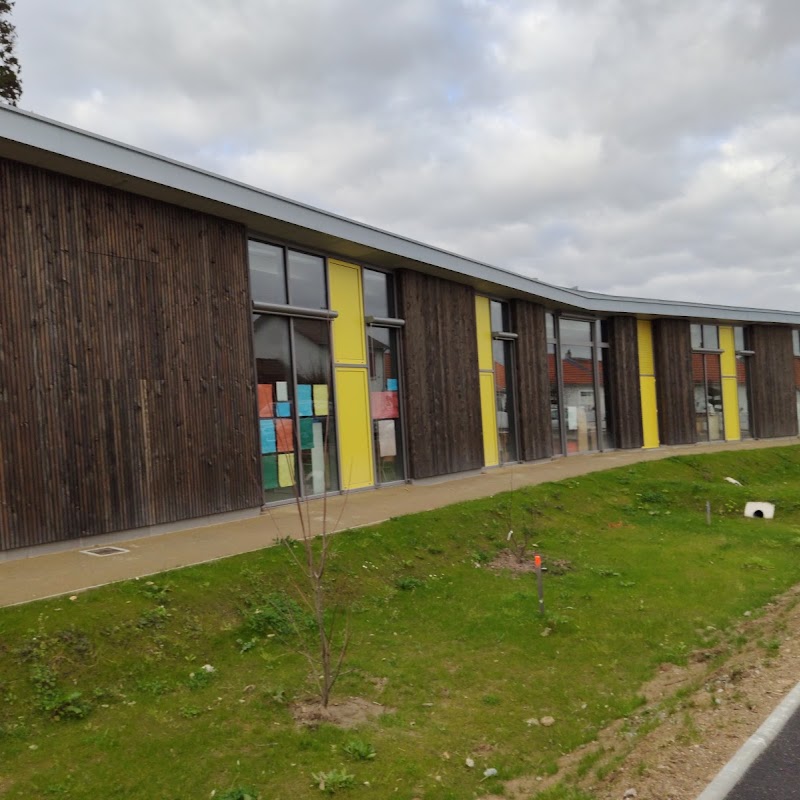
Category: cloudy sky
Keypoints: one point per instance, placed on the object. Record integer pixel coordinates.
(642, 147)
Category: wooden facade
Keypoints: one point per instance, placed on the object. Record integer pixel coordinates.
(440, 363)
(771, 379)
(126, 364)
(672, 349)
(622, 373)
(533, 385)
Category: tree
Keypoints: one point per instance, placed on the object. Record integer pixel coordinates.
(10, 84)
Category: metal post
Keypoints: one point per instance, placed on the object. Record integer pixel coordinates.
(537, 563)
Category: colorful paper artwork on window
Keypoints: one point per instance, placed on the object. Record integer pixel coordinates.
(384, 405)
(265, 402)
(285, 435)
(278, 444)
(268, 440)
(286, 469)
(304, 402)
(269, 472)
(320, 400)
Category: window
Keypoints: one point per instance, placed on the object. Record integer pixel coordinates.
(280, 276)
(707, 380)
(741, 345)
(384, 379)
(796, 350)
(579, 391)
(293, 369)
(504, 382)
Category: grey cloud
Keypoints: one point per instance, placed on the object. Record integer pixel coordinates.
(647, 147)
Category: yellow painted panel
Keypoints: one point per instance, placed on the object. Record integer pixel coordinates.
(728, 357)
(355, 428)
(730, 408)
(484, 329)
(646, 361)
(491, 456)
(349, 336)
(647, 386)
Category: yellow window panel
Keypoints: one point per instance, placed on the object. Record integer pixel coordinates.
(646, 360)
(730, 407)
(355, 427)
(491, 456)
(647, 386)
(349, 335)
(484, 331)
(728, 358)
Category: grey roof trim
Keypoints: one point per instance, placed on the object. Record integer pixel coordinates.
(43, 142)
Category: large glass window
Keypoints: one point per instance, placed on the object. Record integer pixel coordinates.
(743, 353)
(504, 383)
(796, 350)
(707, 380)
(293, 368)
(583, 388)
(555, 383)
(384, 377)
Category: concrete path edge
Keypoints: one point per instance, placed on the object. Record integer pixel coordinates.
(735, 769)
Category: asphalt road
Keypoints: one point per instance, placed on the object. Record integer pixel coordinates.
(775, 774)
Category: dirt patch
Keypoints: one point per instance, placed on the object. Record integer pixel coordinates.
(510, 561)
(347, 713)
(695, 718)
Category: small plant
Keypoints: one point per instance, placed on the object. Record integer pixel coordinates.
(154, 618)
(333, 781)
(201, 678)
(409, 583)
(359, 750)
(239, 793)
(156, 591)
(279, 614)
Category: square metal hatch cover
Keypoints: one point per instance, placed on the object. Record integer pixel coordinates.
(105, 551)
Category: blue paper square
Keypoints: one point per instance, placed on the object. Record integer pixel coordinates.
(391, 384)
(268, 441)
(283, 409)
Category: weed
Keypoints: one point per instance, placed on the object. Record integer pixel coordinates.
(153, 618)
(200, 678)
(333, 781)
(359, 750)
(279, 615)
(239, 793)
(409, 583)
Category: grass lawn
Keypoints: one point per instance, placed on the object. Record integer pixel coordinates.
(104, 696)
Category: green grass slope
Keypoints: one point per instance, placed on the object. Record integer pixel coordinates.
(105, 696)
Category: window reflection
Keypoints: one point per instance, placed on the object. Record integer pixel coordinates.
(385, 403)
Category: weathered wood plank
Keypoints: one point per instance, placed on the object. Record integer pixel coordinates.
(126, 363)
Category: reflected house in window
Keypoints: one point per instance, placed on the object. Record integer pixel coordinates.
(578, 393)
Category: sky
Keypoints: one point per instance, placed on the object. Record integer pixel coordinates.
(638, 147)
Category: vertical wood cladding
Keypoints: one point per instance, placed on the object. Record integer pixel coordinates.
(126, 368)
(533, 384)
(440, 363)
(622, 374)
(672, 348)
(771, 375)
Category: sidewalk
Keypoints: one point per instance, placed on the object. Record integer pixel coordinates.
(70, 571)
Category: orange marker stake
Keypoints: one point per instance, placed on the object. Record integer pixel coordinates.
(537, 564)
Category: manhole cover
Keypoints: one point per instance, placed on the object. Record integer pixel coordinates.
(105, 551)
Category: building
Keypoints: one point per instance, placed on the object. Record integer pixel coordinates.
(175, 345)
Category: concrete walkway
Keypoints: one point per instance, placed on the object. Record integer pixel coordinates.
(46, 574)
